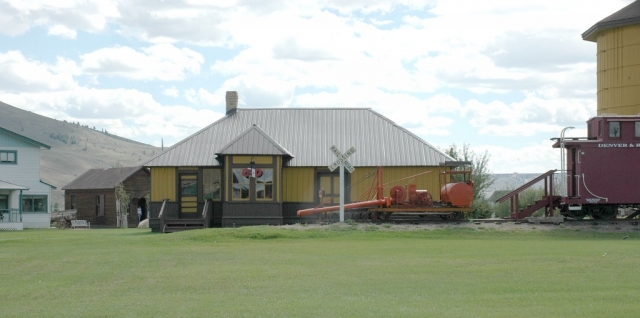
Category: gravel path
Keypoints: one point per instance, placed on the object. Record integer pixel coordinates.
(611, 226)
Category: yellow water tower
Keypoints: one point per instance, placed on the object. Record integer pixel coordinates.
(618, 39)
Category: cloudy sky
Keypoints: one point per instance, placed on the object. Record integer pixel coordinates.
(503, 76)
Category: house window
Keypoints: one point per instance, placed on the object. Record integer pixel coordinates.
(34, 203)
(614, 129)
(100, 205)
(4, 202)
(211, 184)
(264, 185)
(637, 129)
(8, 157)
(72, 201)
(240, 185)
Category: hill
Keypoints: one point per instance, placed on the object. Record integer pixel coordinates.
(74, 148)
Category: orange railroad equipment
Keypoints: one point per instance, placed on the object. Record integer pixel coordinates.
(384, 202)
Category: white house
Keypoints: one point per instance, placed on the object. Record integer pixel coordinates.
(24, 198)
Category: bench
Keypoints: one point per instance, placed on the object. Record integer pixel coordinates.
(80, 223)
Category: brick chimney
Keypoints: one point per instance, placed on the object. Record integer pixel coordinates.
(232, 102)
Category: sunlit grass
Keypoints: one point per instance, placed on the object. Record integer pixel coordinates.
(335, 271)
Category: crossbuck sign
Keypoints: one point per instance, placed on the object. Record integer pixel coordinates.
(342, 162)
(342, 159)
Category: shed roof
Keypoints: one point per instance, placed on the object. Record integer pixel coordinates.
(307, 134)
(628, 15)
(10, 186)
(94, 179)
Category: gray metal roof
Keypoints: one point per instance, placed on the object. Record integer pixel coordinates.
(308, 134)
(10, 186)
(94, 179)
(254, 141)
(628, 15)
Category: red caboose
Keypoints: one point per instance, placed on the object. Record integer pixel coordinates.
(603, 169)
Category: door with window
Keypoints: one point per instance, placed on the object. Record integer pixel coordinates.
(329, 185)
(188, 196)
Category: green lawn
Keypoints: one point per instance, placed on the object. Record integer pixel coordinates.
(330, 272)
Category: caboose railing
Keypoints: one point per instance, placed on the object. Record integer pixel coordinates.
(547, 201)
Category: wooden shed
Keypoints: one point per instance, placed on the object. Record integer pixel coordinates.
(93, 195)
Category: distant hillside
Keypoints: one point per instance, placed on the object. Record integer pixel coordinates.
(74, 148)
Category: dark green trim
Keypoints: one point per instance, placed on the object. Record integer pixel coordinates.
(15, 152)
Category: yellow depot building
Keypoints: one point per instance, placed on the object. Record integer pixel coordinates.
(261, 165)
(618, 39)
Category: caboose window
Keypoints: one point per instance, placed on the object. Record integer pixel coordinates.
(614, 129)
(637, 128)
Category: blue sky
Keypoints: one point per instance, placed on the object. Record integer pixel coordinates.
(502, 76)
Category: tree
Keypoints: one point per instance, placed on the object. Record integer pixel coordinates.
(481, 176)
(123, 199)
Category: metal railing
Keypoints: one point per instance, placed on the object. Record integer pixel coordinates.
(206, 216)
(10, 216)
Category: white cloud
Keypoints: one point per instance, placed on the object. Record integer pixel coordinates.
(62, 17)
(17, 73)
(62, 31)
(528, 117)
(158, 62)
(170, 91)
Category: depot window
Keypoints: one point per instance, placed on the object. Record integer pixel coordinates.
(637, 129)
(264, 185)
(256, 186)
(240, 185)
(614, 129)
(8, 157)
(211, 184)
(34, 203)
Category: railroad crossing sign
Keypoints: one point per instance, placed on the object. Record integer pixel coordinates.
(342, 159)
(342, 162)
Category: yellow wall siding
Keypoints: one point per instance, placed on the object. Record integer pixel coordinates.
(619, 71)
(278, 181)
(259, 160)
(429, 181)
(298, 184)
(163, 183)
(228, 178)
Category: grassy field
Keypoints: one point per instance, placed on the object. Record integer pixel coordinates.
(331, 272)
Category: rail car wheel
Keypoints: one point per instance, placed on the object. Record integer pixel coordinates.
(607, 212)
